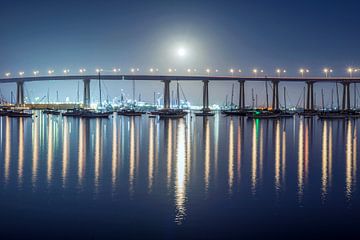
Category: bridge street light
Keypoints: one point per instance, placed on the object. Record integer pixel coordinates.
(255, 71)
(350, 70)
(7, 74)
(232, 72)
(36, 73)
(327, 72)
(21, 74)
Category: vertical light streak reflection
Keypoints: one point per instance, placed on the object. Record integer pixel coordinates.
(169, 151)
(239, 149)
(283, 156)
(98, 154)
(207, 154)
(354, 155)
(114, 163)
(261, 148)
(231, 156)
(82, 151)
(254, 148)
(132, 156)
(21, 151)
(180, 183)
(324, 161)
(301, 160)
(50, 151)
(7, 149)
(277, 155)
(35, 151)
(350, 160)
(65, 160)
(216, 144)
(151, 155)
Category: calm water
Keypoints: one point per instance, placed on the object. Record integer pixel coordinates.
(191, 178)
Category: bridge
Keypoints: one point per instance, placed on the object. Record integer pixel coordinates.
(166, 79)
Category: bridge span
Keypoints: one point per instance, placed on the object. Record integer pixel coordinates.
(166, 79)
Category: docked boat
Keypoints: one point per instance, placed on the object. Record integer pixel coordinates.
(170, 113)
(51, 111)
(19, 114)
(263, 114)
(234, 112)
(308, 114)
(204, 114)
(130, 112)
(73, 113)
(286, 114)
(94, 114)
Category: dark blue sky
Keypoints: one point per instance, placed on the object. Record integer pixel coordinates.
(217, 34)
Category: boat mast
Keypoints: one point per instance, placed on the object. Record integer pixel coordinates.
(252, 97)
(304, 99)
(354, 95)
(267, 95)
(100, 89)
(78, 92)
(285, 97)
(332, 99)
(178, 94)
(133, 92)
(232, 96)
(337, 96)
(322, 99)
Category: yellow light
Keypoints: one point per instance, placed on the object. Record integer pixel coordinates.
(350, 70)
(170, 70)
(278, 70)
(255, 70)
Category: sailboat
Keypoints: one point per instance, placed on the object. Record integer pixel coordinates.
(131, 112)
(285, 113)
(96, 114)
(172, 113)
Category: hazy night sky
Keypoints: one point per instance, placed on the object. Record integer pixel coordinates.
(42, 35)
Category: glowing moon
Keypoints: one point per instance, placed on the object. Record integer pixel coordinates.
(181, 52)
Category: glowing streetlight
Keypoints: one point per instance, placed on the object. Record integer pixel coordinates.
(36, 73)
(232, 72)
(350, 71)
(255, 71)
(21, 73)
(116, 70)
(188, 70)
(50, 71)
(7, 74)
(208, 71)
(82, 70)
(66, 71)
(327, 71)
(132, 70)
(170, 70)
(98, 70)
(151, 70)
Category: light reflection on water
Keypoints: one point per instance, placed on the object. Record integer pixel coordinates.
(185, 169)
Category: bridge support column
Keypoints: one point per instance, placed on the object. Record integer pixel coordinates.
(166, 94)
(19, 93)
(275, 102)
(206, 96)
(346, 96)
(310, 96)
(86, 101)
(242, 95)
